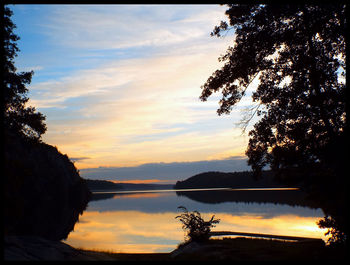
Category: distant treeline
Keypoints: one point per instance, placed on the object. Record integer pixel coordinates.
(103, 185)
(95, 185)
(242, 179)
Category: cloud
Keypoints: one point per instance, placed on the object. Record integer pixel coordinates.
(139, 231)
(75, 159)
(31, 68)
(166, 171)
(136, 108)
(126, 231)
(126, 26)
(128, 87)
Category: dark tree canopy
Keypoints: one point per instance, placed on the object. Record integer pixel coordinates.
(298, 54)
(19, 119)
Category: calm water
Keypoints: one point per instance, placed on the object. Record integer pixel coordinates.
(142, 221)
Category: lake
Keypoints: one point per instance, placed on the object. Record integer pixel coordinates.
(144, 221)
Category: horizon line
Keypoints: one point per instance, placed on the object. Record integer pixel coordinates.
(238, 157)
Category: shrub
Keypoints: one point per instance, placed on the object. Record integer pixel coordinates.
(197, 229)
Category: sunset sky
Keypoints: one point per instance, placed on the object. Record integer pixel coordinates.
(120, 84)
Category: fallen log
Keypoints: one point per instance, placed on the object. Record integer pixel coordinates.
(294, 238)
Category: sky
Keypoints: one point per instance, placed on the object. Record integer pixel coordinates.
(120, 85)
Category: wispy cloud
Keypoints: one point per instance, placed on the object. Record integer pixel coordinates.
(141, 105)
(129, 84)
(75, 159)
(125, 26)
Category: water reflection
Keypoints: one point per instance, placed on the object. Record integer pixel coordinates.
(127, 231)
(293, 197)
(145, 222)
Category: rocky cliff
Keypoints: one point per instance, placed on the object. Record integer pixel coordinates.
(44, 194)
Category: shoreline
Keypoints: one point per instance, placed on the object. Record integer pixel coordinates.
(240, 248)
(233, 249)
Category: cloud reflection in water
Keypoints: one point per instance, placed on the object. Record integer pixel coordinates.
(145, 222)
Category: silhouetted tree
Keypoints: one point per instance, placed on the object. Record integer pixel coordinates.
(19, 119)
(297, 53)
(197, 229)
(43, 194)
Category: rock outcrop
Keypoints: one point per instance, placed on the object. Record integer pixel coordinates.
(31, 248)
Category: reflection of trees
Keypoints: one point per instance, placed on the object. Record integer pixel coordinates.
(101, 196)
(43, 191)
(44, 194)
(332, 196)
(290, 197)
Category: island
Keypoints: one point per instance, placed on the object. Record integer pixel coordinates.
(243, 179)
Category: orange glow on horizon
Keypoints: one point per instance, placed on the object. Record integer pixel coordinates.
(138, 195)
(141, 181)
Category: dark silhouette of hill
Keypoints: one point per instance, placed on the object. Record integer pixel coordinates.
(242, 179)
(43, 191)
(96, 185)
(134, 186)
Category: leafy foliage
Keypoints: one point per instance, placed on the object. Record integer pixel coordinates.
(297, 55)
(197, 229)
(338, 236)
(18, 118)
(297, 52)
